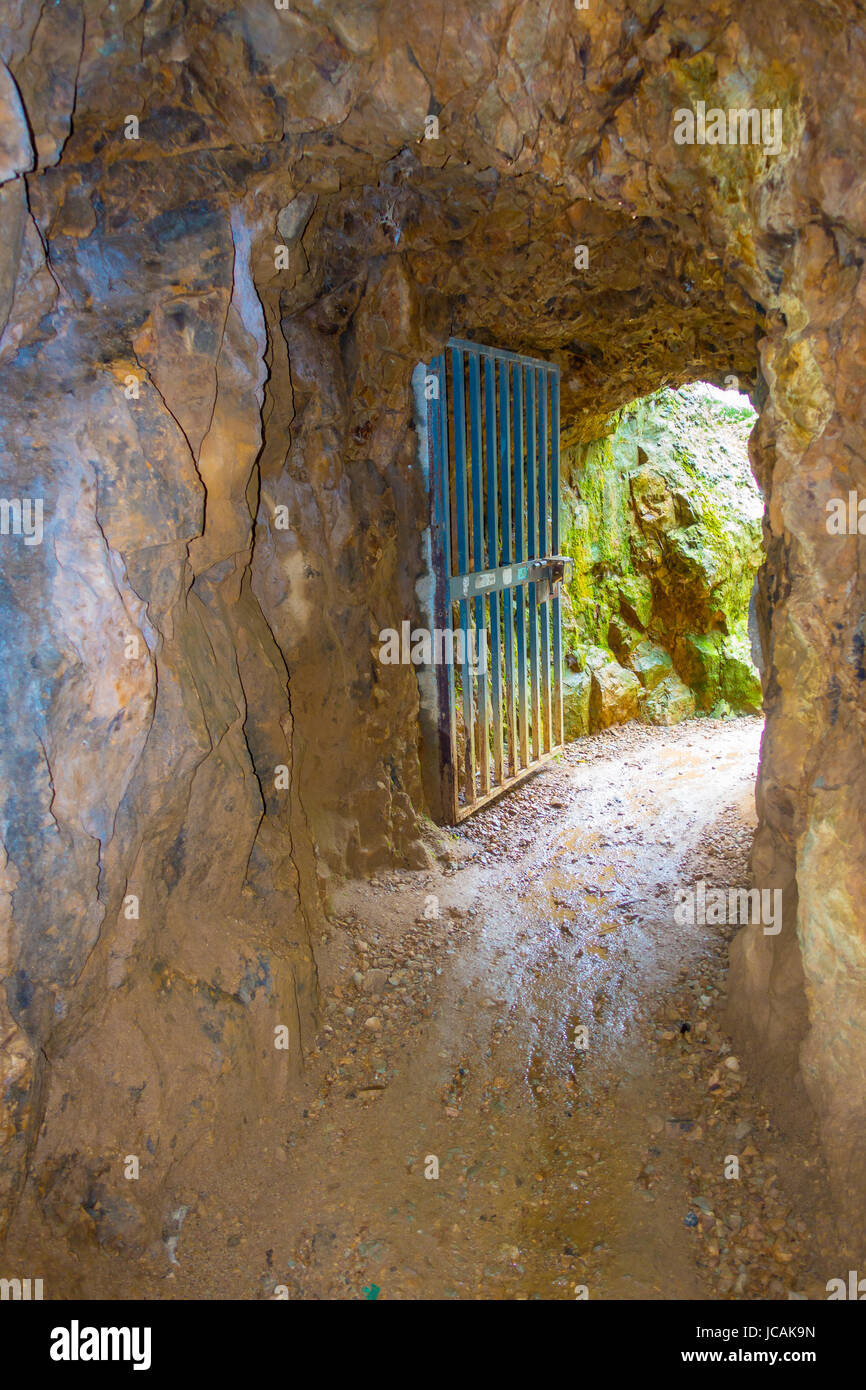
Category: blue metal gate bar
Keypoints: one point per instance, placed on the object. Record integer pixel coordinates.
(500, 576)
(544, 635)
(558, 731)
(482, 746)
(533, 554)
(501, 354)
(462, 507)
(492, 552)
(489, 581)
(507, 598)
(519, 554)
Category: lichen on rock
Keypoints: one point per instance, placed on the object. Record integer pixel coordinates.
(663, 525)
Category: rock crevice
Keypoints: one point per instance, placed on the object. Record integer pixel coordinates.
(227, 236)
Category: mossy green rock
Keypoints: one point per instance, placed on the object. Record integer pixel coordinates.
(670, 702)
(651, 664)
(622, 639)
(662, 519)
(636, 600)
(614, 696)
(700, 661)
(575, 704)
(594, 657)
(739, 681)
(694, 561)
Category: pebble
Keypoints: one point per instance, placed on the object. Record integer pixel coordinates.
(740, 1243)
(374, 981)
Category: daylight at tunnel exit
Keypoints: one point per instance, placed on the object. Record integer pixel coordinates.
(433, 612)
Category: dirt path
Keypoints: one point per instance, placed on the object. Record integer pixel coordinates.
(569, 1161)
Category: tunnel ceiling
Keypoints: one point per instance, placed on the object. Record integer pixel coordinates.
(496, 256)
(548, 138)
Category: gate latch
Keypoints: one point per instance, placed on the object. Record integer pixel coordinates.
(547, 575)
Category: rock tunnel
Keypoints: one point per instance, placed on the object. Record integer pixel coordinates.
(231, 232)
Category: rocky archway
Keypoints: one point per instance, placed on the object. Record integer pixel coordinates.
(230, 233)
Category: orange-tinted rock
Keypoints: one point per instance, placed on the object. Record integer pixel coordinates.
(253, 515)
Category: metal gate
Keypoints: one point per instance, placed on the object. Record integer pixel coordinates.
(494, 476)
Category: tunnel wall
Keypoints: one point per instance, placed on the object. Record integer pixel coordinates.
(209, 325)
(798, 998)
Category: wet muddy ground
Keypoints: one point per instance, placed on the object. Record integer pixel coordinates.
(528, 1022)
(522, 1087)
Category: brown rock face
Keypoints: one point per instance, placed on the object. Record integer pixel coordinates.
(215, 283)
(613, 696)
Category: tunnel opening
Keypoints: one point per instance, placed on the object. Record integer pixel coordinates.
(664, 529)
(648, 612)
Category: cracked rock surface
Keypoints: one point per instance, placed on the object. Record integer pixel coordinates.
(225, 243)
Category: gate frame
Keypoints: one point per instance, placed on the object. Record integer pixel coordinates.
(436, 590)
